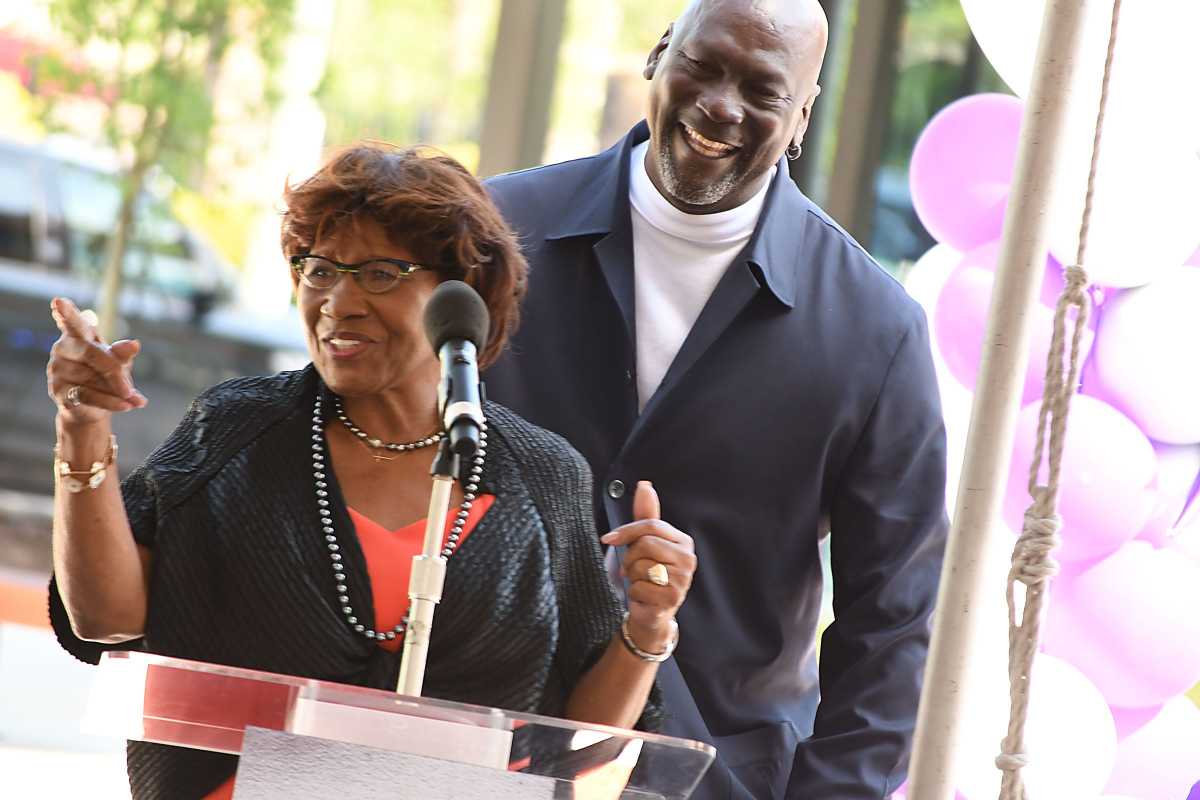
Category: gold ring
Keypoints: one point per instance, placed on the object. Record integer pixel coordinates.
(72, 399)
(658, 575)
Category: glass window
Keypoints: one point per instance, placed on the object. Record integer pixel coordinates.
(17, 199)
(938, 62)
(90, 202)
(158, 259)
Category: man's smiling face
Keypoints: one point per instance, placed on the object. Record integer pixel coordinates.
(730, 91)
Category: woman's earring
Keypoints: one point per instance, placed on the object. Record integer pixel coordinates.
(793, 151)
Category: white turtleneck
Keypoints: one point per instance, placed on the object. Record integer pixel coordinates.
(678, 258)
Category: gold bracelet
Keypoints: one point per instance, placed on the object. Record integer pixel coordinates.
(95, 476)
(632, 647)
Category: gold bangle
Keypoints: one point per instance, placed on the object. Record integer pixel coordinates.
(632, 647)
(76, 480)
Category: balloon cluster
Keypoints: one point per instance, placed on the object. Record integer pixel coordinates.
(1109, 714)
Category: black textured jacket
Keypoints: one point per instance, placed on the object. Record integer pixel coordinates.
(241, 574)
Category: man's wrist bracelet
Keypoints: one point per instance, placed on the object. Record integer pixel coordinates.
(632, 647)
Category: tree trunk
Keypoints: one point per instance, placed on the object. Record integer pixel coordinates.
(118, 244)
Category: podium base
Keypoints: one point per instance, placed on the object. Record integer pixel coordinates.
(283, 766)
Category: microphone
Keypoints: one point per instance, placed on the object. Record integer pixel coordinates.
(456, 324)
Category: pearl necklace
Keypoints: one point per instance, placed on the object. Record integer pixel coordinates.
(331, 541)
(378, 444)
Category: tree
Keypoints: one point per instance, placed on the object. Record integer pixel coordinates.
(150, 66)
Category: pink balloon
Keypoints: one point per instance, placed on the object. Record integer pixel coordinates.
(1130, 624)
(1131, 720)
(960, 320)
(1162, 758)
(1106, 493)
(962, 166)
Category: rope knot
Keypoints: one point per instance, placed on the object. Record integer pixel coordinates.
(1076, 278)
(1031, 562)
(1012, 762)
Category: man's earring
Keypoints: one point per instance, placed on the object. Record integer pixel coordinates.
(793, 151)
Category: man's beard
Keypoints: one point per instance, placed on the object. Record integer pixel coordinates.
(696, 195)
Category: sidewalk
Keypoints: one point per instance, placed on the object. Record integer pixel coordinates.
(43, 691)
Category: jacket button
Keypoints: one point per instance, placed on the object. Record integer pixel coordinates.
(616, 489)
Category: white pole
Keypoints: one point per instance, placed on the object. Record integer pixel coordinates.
(997, 401)
(425, 590)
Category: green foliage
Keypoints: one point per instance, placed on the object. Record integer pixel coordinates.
(939, 63)
(151, 63)
(408, 71)
(644, 21)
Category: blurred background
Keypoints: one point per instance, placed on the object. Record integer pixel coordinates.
(132, 133)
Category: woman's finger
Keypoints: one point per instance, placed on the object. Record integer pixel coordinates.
(67, 371)
(62, 366)
(657, 602)
(98, 357)
(633, 531)
(70, 396)
(647, 569)
(70, 320)
(654, 549)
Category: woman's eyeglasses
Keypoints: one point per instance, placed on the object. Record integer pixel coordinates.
(375, 276)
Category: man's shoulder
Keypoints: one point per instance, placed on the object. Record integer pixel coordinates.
(859, 279)
(541, 186)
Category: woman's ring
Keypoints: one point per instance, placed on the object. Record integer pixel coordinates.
(658, 575)
(73, 399)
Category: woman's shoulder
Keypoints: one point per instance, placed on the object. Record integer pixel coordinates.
(225, 418)
(539, 452)
(252, 393)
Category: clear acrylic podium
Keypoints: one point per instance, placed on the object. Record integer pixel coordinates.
(300, 738)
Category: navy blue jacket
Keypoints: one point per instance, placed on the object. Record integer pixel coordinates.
(802, 401)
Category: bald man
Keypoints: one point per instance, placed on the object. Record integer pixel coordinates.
(695, 321)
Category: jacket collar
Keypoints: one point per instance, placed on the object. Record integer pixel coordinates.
(774, 253)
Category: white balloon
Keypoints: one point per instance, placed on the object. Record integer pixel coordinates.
(1145, 355)
(1145, 215)
(926, 277)
(924, 282)
(1162, 758)
(1070, 737)
(1186, 542)
(1147, 193)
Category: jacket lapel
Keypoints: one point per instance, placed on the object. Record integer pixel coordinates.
(736, 289)
(601, 207)
(768, 265)
(614, 254)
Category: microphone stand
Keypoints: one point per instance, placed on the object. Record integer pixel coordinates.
(428, 574)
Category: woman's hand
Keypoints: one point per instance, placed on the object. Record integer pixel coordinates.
(650, 542)
(87, 379)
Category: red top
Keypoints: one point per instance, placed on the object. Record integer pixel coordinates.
(389, 556)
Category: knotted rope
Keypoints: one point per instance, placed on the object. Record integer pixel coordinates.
(1032, 562)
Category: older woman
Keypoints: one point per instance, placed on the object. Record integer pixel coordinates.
(275, 528)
